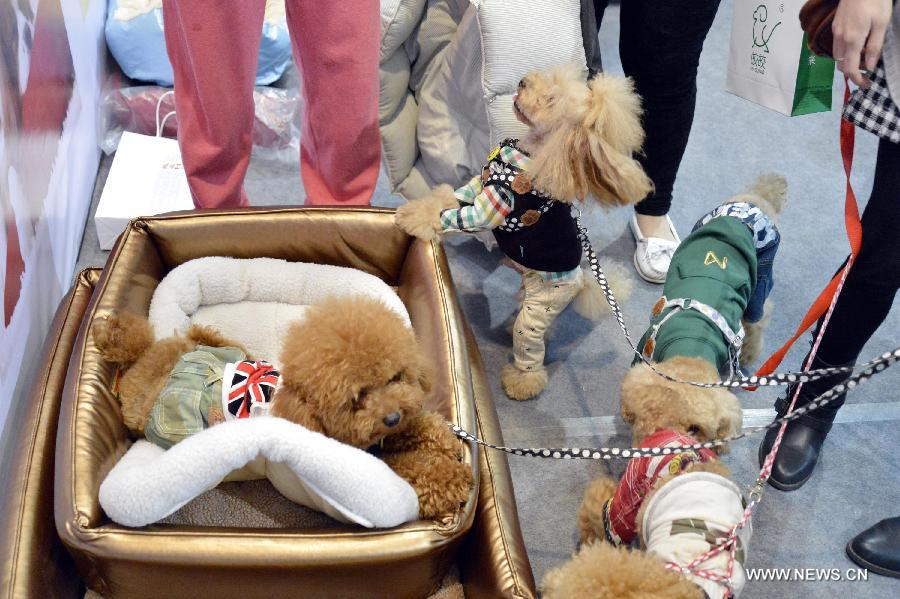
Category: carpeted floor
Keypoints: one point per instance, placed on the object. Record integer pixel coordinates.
(858, 481)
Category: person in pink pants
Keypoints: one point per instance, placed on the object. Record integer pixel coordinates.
(214, 45)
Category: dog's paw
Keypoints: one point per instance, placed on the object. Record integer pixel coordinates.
(523, 384)
(442, 484)
(422, 218)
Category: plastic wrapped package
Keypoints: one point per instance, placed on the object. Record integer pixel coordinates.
(134, 35)
(276, 122)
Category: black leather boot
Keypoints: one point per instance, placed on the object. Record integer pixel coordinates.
(803, 438)
(878, 548)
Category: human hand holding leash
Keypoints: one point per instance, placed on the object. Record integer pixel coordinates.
(859, 27)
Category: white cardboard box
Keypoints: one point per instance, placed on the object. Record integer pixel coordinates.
(146, 179)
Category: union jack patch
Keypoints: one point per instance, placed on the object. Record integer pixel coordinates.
(251, 389)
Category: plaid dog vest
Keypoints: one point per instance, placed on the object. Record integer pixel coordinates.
(539, 233)
(620, 512)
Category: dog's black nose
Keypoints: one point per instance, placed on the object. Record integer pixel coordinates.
(392, 420)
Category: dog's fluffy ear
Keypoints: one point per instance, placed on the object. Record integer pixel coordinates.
(291, 401)
(647, 405)
(614, 134)
(590, 152)
(573, 163)
(122, 338)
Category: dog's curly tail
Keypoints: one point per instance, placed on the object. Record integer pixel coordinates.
(123, 338)
(590, 302)
(771, 188)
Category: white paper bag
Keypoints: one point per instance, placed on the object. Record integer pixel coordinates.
(769, 62)
(146, 179)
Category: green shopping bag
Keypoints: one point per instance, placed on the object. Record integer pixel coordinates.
(769, 62)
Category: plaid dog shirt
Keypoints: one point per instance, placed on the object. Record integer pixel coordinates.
(620, 512)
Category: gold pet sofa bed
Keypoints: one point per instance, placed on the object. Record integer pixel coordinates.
(73, 414)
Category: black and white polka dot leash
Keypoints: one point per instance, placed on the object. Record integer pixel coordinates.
(869, 369)
(774, 379)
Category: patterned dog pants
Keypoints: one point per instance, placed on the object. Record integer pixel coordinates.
(542, 303)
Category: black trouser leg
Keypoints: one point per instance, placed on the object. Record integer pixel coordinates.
(873, 281)
(660, 43)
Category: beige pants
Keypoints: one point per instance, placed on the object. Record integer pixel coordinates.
(542, 303)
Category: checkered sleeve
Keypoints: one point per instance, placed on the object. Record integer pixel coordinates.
(468, 192)
(510, 155)
(487, 211)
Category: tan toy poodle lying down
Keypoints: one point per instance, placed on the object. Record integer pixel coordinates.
(351, 369)
(581, 139)
(677, 507)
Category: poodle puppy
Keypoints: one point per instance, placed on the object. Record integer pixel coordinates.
(351, 369)
(676, 507)
(581, 141)
(679, 506)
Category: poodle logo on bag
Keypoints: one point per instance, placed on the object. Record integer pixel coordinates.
(762, 33)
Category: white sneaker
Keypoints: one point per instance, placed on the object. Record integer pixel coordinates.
(653, 254)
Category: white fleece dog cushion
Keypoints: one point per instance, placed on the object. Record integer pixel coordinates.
(348, 484)
(255, 301)
(264, 338)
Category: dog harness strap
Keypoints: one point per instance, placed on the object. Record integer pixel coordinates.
(781, 378)
(705, 539)
(735, 340)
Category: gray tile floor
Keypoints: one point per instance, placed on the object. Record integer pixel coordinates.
(858, 481)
